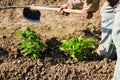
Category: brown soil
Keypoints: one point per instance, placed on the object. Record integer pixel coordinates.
(55, 65)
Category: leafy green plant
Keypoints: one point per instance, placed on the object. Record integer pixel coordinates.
(31, 45)
(78, 47)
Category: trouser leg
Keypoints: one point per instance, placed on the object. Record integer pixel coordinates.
(105, 48)
(116, 40)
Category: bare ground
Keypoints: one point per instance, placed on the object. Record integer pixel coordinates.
(55, 65)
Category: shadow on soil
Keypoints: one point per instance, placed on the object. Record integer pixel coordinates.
(53, 53)
(95, 33)
(3, 52)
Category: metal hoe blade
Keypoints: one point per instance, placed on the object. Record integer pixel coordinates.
(34, 15)
(31, 15)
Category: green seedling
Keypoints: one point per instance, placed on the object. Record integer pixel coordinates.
(31, 45)
(78, 47)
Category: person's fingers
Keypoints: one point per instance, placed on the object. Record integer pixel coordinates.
(84, 14)
(60, 10)
(88, 15)
(64, 6)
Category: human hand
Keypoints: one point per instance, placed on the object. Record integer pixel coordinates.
(61, 10)
(86, 14)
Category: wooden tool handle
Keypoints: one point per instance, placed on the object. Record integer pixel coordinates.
(55, 9)
(74, 11)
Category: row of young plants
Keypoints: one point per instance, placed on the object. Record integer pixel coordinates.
(32, 46)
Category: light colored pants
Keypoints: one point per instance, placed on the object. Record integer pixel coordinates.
(111, 33)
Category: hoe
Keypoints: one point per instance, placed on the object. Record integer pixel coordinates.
(32, 12)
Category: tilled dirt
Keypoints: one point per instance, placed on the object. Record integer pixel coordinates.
(54, 65)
